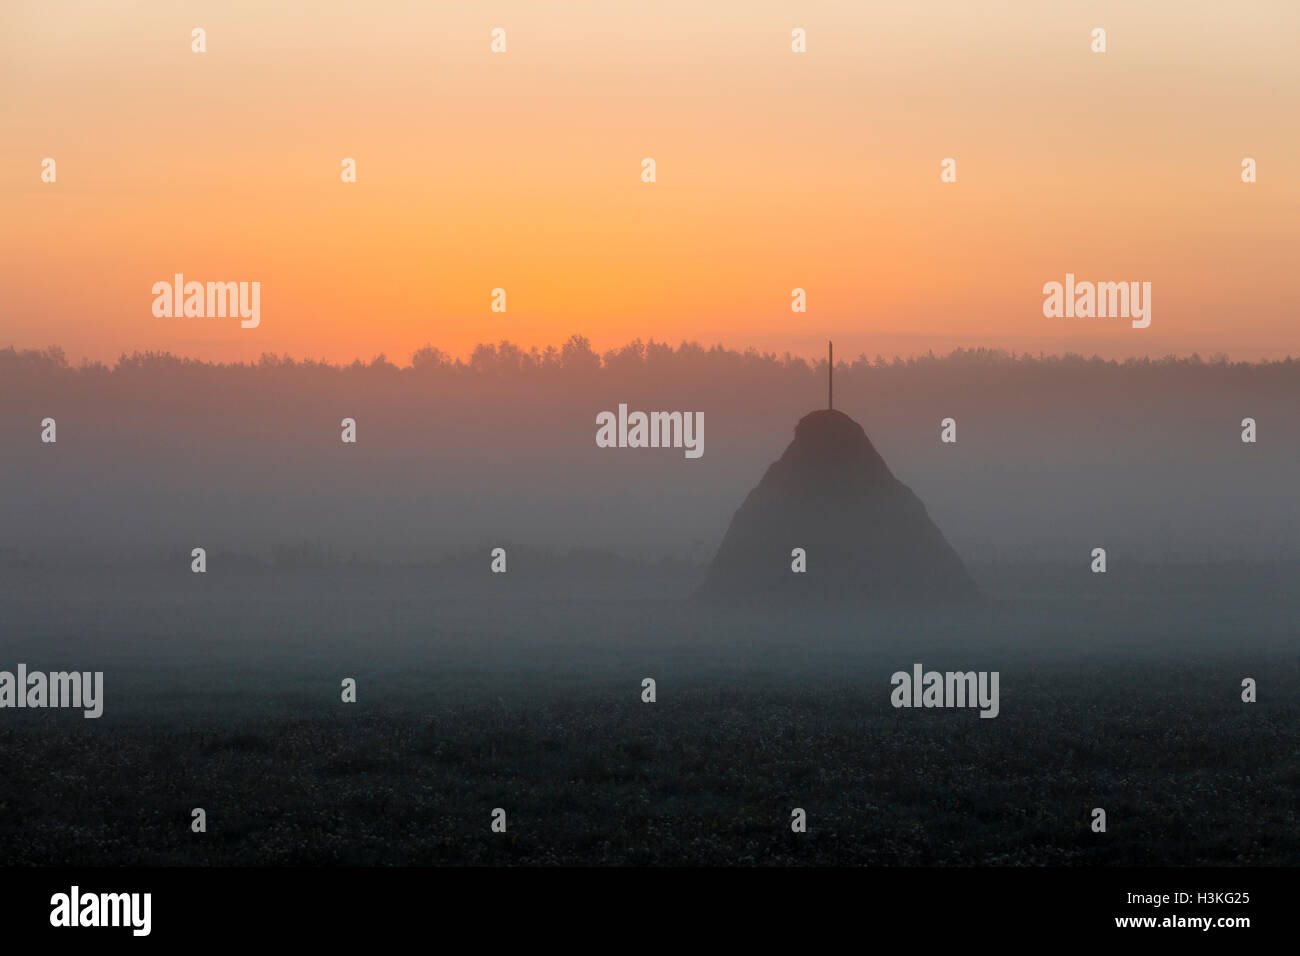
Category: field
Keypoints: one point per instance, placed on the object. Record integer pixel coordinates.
(223, 692)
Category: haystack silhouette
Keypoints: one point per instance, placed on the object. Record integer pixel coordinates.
(868, 538)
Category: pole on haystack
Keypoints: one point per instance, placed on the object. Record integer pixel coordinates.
(830, 377)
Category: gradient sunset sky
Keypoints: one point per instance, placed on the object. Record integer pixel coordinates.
(775, 170)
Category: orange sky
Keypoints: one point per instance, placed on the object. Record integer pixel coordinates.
(775, 170)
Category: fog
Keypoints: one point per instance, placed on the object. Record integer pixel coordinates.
(156, 455)
(366, 566)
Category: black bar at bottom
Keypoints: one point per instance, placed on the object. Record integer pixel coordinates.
(335, 906)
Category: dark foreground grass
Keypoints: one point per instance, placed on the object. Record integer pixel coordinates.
(709, 774)
(225, 695)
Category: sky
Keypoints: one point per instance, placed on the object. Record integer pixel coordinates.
(775, 170)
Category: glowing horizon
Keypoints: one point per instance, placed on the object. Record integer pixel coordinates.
(775, 170)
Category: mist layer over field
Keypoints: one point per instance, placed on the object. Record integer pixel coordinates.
(523, 691)
(223, 692)
(1053, 456)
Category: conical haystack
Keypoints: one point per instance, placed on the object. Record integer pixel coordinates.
(867, 537)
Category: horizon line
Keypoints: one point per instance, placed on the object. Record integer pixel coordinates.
(578, 343)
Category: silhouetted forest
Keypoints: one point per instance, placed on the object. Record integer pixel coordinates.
(576, 357)
(1055, 454)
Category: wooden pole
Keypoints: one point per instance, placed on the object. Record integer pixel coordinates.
(830, 378)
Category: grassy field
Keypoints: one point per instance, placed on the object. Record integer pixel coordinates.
(226, 696)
